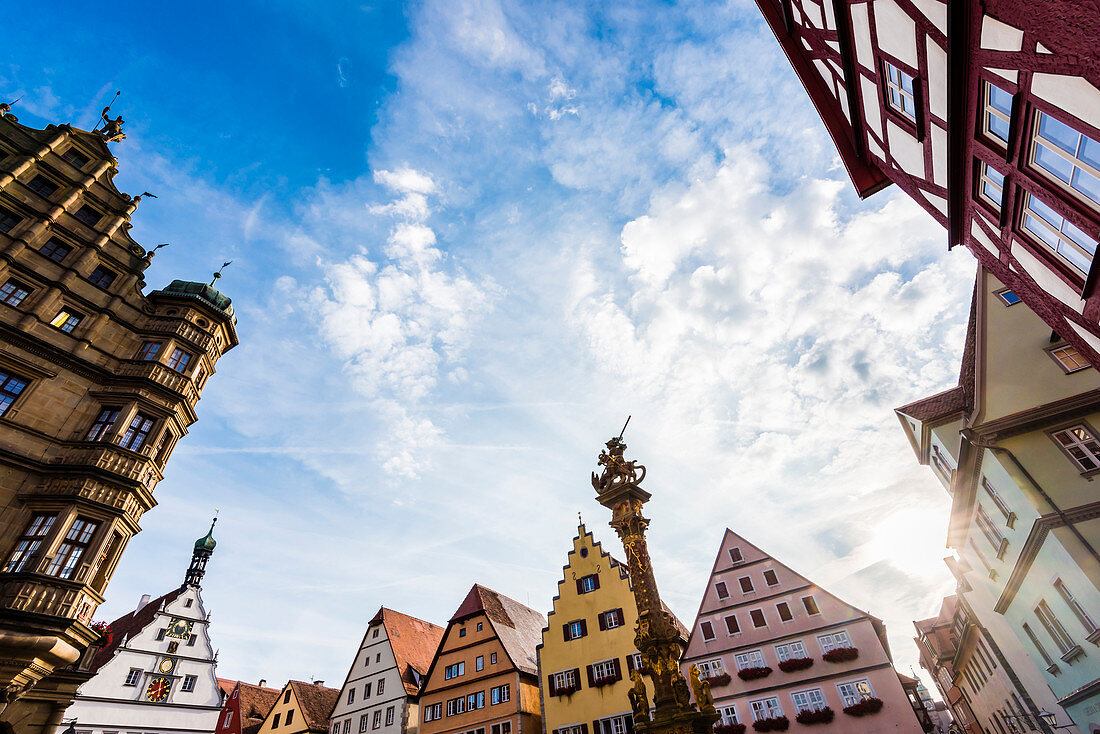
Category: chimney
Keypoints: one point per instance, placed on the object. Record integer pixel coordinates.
(145, 599)
(263, 682)
(318, 682)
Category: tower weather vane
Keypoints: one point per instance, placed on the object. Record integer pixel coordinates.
(218, 274)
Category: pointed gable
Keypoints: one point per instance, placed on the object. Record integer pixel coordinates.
(315, 702)
(413, 642)
(518, 627)
(129, 625)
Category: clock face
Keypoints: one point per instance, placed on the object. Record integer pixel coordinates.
(158, 690)
(167, 665)
(180, 628)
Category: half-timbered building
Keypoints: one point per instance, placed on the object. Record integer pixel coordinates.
(986, 114)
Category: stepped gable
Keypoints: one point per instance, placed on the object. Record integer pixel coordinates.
(518, 627)
(316, 702)
(413, 642)
(126, 625)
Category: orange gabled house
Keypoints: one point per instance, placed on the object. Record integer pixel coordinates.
(484, 678)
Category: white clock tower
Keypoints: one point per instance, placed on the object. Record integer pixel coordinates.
(155, 667)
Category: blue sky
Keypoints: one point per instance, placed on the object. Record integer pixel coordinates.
(471, 236)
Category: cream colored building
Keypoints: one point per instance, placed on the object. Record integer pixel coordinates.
(98, 382)
(1016, 445)
(382, 688)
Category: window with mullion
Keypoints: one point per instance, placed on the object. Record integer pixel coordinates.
(751, 659)
(1075, 607)
(13, 292)
(102, 277)
(8, 220)
(11, 387)
(1070, 157)
(149, 351)
(996, 112)
(1060, 235)
(66, 320)
(808, 700)
(136, 432)
(765, 708)
(1053, 627)
(55, 250)
(1081, 446)
(103, 423)
(900, 92)
(1068, 358)
(72, 548)
(179, 360)
(855, 691)
(791, 650)
(29, 543)
(989, 530)
(991, 184)
(997, 499)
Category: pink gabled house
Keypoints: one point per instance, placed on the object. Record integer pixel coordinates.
(782, 653)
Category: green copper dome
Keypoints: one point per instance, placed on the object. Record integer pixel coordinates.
(201, 292)
(207, 542)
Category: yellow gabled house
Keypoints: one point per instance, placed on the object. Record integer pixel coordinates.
(587, 652)
(301, 708)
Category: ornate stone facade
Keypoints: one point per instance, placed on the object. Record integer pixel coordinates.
(98, 382)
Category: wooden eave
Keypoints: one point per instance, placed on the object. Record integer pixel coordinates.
(864, 174)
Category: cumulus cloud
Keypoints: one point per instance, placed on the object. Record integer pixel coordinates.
(400, 318)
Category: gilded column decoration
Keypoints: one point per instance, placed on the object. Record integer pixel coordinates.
(617, 488)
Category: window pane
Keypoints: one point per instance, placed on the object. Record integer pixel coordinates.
(992, 192)
(1000, 100)
(1089, 151)
(1053, 163)
(998, 127)
(1087, 184)
(1061, 135)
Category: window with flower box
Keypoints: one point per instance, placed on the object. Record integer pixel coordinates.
(729, 715)
(564, 682)
(811, 699)
(852, 692)
(766, 708)
(791, 650)
(711, 668)
(604, 672)
(834, 640)
(751, 659)
(1081, 445)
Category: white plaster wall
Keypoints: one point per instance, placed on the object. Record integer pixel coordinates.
(861, 29)
(906, 151)
(1010, 74)
(830, 19)
(938, 137)
(1046, 279)
(827, 75)
(997, 36)
(373, 661)
(813, 15)
(870, 105)
(1070, 93)
(937, 201)
(897, 32)
(937, 79)
(935, 11)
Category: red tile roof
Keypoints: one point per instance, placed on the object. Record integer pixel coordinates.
(316, 702)
(127, 626)
(254, 703)
(413, 642)
(518, 627)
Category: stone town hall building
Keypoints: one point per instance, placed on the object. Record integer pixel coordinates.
(98, 381)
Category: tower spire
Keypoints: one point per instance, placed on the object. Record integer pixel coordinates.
(204, 548)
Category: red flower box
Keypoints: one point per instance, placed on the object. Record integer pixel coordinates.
(722, 679)
(729, 729)
(864, 707)
(777, 723)
(566, 690)
(601, 682)
(754, 673)
(793, 664)
(840, 654)
(821, 716)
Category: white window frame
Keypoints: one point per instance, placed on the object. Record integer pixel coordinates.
(765, 708)
(989, 110)
(853, 691)
(565, 679)
(750, 659)
(988, 176)
(611, 619)
(1071, 440)
(363, 721)
(735, 555)
(1075, 607)
(795, 649)
(1056, 234)
(133, 677)
(834, 640)
(896, 94)
(603, 670)
(1068, 358)
(588, 584)
(1054, 627)
(576, 630)
(192, 679)
(810, 699)
(991, 532)
(1076, 163)
(729, 715)
(711, 668)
